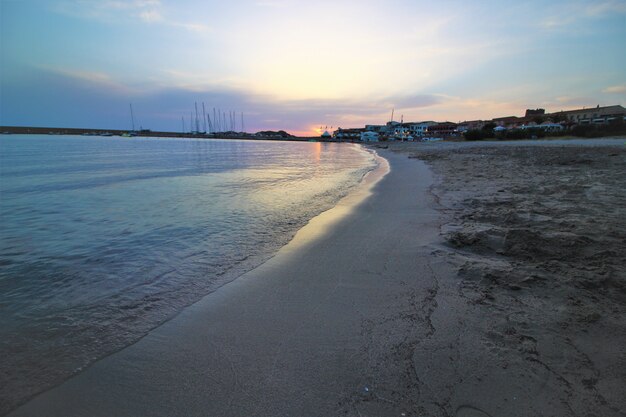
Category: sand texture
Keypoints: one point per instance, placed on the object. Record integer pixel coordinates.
(538, 237)
(490, 284)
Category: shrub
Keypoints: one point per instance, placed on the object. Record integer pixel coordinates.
(474, 134)
(583, 131)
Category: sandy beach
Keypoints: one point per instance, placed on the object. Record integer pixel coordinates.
(537, 234)
(469, 281)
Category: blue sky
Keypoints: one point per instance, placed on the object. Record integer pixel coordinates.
(296, 65)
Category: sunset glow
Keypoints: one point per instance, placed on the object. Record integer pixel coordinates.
(296, 65)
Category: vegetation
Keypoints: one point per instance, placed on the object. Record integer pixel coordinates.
(473, 134)
(615, 127)
(558, 117)
(272, 133)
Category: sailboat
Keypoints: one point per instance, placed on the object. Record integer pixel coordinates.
(132, 119)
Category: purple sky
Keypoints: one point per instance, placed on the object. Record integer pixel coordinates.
(298, 65)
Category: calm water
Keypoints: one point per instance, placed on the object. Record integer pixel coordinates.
(102, 239)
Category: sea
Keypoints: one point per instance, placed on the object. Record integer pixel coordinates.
(104, 238)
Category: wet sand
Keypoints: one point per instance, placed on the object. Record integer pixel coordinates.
(326, 327)
(471, 292)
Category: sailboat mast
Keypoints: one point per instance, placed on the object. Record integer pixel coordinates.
(197, 124)
(242, 129)
(204, 117)
(132, 117)
(392, 110)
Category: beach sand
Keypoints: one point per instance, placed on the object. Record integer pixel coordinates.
(489, 282)
(537, 234)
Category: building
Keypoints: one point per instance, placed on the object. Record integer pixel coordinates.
(470, 125)
(593, 115)
(367, 136)
(442, 129)
(508, 121)
(374, 128)
(348, 134)
(419, 129)
(530, 113)
(391, 130)
(545, 126)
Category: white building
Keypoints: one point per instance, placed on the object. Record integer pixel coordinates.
(597, 115)
(547, 126)
(374, 128)
(418, 130)
(369, 136)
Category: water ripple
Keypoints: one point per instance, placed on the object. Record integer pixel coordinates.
(105, 238)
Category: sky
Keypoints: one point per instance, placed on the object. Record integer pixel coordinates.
(298, 65)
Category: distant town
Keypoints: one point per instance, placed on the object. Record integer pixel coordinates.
(536, 123)
(586, 122)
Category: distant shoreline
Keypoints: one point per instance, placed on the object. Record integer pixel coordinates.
(27, 130)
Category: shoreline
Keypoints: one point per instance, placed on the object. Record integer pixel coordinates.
(299, 335)
(397, 309)
(54, 131)
(98, 132)
(16, 394)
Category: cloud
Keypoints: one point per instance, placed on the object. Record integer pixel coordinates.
(414, 101)
(573, 13)
(605, 8)
(150, 16)
(192, 27)
(108, 9)
(616, 89)
(95, 99)
(95, 79)
(64, 97)
(111, 11)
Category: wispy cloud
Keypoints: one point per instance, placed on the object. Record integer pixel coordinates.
(616, 89)
(111, 11)
(162, 105)
(565, 15)
(95, 79)
(568, 102)
(151, 16)
(106, 9)
(605, 8)
(192, 27)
